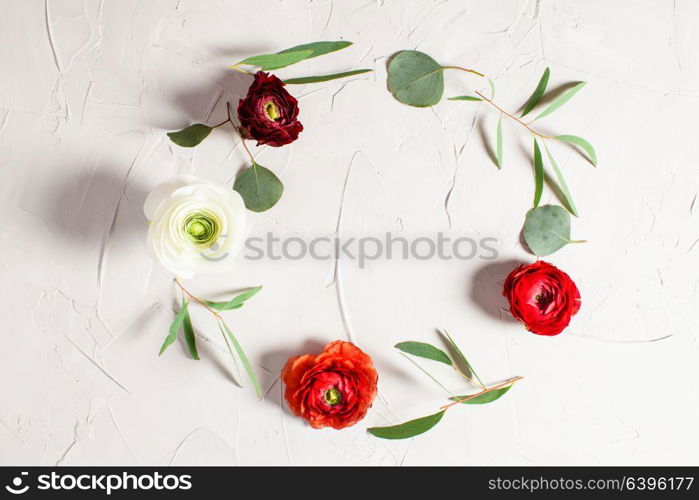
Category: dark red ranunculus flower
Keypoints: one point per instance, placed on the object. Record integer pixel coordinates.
(542, 297)
(268, 113)
(333, 389)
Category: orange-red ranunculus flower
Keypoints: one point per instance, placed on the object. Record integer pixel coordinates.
(542, 297)
(332, 389)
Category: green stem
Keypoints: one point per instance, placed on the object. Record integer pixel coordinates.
(428, 374)
(473, 71)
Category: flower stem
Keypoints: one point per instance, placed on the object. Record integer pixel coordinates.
(489, 389)
(490, 101)
(222, 123)
(242, 139)
(201, 301)
(464, 69)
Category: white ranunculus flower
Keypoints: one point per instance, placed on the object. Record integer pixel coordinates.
(196, 226)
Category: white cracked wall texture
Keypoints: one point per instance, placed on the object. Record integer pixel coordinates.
(87, 92)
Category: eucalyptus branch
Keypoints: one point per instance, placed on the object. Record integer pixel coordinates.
(507, 383)
(509, 115)
(197, 299)
(417, 426)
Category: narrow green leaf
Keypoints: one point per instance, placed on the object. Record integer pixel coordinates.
(174, 327)
(546, 229)
(579, 141)
(568, 199)
(538, 174)
(492, 88)
(259, 187)
(276, 61)
(319, 48)
(432, 377)
(538, 92)
(498, 151)
(415, 79)
(488, 397)
(236, 302)
(190, 136)
(465, 98)
(407, 429)
(424, 350)
(324, 78)
(189, 336)
(561, 100)
(243, 357)
(461, 359)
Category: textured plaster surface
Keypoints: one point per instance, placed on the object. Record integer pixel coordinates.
(87, 92)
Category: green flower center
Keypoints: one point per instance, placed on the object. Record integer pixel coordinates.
(332, 396)
(202, 228)
(272, 111)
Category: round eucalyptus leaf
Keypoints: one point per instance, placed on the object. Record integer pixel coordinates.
(547, 229)
(415, 79)
(259, 187)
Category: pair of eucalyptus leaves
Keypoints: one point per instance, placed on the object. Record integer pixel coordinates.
(458, 362)
(416, 79)
(259, 187)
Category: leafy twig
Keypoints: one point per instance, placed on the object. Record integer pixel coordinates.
(484, 391)
(492, 103)
(418, 426)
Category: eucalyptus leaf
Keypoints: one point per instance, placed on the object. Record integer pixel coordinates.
(259, 187)
(407, 429)
(538, 174)
(568, 199)
(492, 88)
(324, 78)
(461, 359)
(190, 136)
(465, 98)
(561, 100)
(538, 92)
(424, 350)
(242, 356)
(488, 397)
(275, 61)
(498, 150)
(174, 327)
(236, 302)
(547, 229)
(318, 48)
(579, 141)
(189, 336)
(415, 79)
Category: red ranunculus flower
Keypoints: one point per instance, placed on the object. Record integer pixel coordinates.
(268, 113)
(542, 297)
(333, 389)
